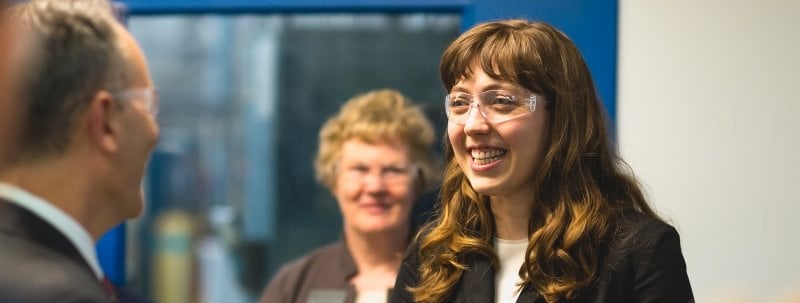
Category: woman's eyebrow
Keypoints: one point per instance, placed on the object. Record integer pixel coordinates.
(500, 86)
(458, 89)
(493, 86)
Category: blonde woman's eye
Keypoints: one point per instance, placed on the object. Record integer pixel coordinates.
(359, 168)
(395, 170)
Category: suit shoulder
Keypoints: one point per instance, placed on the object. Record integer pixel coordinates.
(25, 262)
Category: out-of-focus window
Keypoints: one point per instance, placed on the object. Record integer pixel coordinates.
(231, 188)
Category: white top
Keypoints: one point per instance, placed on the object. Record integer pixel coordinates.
(512, 255)
(372, 296)
(62, 222)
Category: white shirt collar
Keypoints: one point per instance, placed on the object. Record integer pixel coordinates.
(65, 224)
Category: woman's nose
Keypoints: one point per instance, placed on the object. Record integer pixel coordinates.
(374, 182)
(477, 122)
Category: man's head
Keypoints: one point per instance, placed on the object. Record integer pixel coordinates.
(86, 98)
(75, 51)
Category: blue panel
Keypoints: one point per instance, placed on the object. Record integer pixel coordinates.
(251, 6)
(592, 25)
(111, 254)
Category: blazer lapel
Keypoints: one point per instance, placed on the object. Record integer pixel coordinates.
(478, 281)
(528, 295)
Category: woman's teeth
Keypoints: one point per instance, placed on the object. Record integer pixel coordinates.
(486, 157)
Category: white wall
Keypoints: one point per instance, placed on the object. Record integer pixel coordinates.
(709, 119)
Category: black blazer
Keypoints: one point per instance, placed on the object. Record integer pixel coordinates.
(39, 264)
(644, 265)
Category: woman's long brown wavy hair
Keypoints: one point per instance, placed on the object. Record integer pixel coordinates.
(582, 186)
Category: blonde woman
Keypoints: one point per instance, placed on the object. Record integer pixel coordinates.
(536, 205)
(376, 158)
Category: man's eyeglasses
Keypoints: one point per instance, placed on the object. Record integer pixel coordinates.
(391, 174)
(148, 96)
(495, 106)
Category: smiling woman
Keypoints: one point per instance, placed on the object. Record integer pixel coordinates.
(535, 203)
(376, 158)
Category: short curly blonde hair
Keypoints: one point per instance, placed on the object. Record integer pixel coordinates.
(379, 116)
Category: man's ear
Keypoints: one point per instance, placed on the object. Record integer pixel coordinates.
(103, 122)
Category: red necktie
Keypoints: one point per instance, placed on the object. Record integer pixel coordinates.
(109, 288)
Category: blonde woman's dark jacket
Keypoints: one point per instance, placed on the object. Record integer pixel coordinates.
(322, 275)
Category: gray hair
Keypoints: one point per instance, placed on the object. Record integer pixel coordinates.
(75, 52)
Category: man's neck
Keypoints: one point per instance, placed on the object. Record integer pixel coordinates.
(57, 182)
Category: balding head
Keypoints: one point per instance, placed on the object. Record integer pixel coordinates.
(75, 50)
(86, 102)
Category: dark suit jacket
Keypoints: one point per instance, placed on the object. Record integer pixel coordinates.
(39, 264)
(645, 264)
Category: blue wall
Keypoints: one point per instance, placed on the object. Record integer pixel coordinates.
(304, 6)
(592, 25)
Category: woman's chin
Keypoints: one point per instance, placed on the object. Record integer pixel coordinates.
(376, 227)
(486, 187)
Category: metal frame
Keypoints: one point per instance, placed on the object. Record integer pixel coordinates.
(139, 7)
